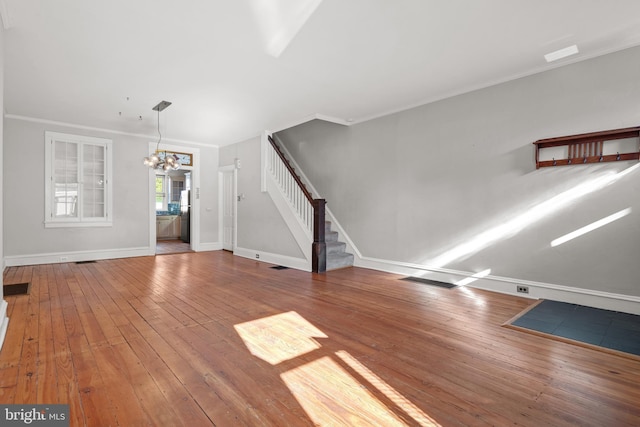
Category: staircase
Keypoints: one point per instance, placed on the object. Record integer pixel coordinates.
(307, 212)
(336, 255)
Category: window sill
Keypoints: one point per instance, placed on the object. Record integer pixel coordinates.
(69, 224)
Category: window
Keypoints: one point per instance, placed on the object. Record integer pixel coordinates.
(161, 196)
(78, 181)
(168, 189)
(176, 190)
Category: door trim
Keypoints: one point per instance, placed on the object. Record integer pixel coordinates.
(221, 171)
(195, 196)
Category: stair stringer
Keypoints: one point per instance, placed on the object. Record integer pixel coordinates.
(329, 216)
(300, 233)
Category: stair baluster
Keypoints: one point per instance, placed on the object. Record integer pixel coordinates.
(311, 211)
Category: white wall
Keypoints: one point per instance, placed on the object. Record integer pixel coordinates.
(27, 241)
(209, 238)
(261, 229)
(453, 184)
(4, 320)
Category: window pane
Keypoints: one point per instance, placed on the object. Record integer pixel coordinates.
(160, 194)
(65, 197)
(176, 189)
(66, 162)
(93, 195)
(65, 200)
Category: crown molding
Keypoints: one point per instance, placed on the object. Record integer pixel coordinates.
(316, 116)
(472, 88)
(96, 129)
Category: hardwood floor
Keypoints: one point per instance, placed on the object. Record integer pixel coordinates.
(172, 246)
(200, 339)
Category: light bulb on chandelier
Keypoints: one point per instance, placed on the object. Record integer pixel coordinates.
(158, 159)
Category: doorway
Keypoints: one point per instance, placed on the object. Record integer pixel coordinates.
(174, 205)
(173, 211)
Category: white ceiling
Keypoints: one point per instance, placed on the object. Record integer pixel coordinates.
(104, 63)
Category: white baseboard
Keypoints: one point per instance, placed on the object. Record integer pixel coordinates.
(508, 285)
(214, 246)
(505, 285)
(284, 260)
(5, 321)
(60, 257)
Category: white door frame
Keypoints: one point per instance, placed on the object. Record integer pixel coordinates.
(195, 196)
(221, 171)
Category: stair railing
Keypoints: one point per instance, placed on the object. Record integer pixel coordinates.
(309, 210)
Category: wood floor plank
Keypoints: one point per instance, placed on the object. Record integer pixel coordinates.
(46, 375)
(8, 384)
(176, 394)
(159, 341)
(185, 365)
(97, 408)
(27, 378)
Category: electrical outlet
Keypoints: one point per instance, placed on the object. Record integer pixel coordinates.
(257, 256)
(523, 289)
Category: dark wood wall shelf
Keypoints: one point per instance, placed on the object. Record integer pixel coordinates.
(588, 147)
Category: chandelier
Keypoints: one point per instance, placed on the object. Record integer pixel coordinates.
(158, 159)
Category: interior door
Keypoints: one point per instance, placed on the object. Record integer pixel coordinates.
(228, 210)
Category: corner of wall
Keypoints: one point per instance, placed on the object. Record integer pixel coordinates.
(4, 321)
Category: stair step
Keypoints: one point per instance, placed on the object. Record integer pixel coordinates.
(331, 236)
(339, 260)
(334, 247)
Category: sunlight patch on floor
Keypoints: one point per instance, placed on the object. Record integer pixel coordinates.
(471, 293)
(399, 400)
(325, 388)
(281, 337)
(332, 397)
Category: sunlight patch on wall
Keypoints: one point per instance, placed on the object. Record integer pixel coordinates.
(473, 278)
(281, 337)
(513, 226)
(280, 20)
(588, 228)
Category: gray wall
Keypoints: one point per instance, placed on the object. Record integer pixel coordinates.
(1, 155)
(209, 196)
(260, 226)
(453, 184)
(23, 194)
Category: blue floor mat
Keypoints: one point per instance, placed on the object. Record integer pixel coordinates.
(603, 328)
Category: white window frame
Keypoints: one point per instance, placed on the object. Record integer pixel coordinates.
(164, 193)
(50, 221)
